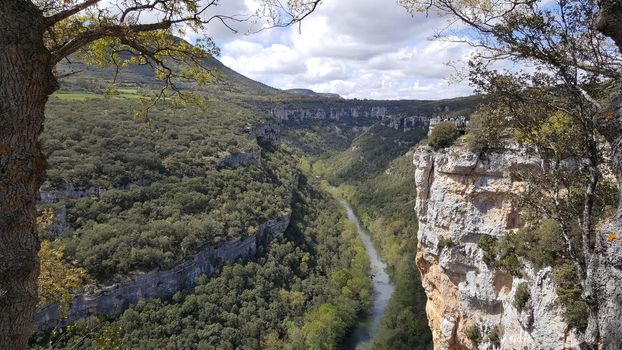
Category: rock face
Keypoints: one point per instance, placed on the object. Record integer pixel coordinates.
(404, 123)
(113, 300)
(240, 159)
(460, 198)
(328, 112)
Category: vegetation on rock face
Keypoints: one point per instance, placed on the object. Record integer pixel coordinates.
(474, 334)
(521, 296)
(443, 135)
(565, 109)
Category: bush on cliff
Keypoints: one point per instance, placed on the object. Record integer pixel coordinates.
(443, 135)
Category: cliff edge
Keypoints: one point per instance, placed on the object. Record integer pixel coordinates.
(462, 196)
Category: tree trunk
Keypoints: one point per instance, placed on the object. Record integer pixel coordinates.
(26, 80)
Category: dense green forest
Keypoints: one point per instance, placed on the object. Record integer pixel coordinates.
(305, 291)
(385, 204)
(162, 187)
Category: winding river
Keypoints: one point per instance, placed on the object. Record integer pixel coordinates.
(383, 289)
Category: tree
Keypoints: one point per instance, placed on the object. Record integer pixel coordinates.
(443, 135)
(567, 106)
(34, 37)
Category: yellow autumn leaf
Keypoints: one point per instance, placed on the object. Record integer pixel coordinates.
(57, 278)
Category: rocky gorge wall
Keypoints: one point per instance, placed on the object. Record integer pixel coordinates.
(113, 300)
(460, 198)
(328, 112)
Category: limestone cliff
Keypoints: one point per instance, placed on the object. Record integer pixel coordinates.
(460, 198)
(113, 300)
(328, 112)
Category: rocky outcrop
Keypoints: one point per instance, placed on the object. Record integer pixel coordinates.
(113, 300)
(268, 133)
(240, 159)
(460, 198)
(328, 112)
(404, 123)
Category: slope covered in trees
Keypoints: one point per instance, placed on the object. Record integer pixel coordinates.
(305, 290)
(137, 195)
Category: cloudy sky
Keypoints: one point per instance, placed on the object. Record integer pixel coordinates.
(356, 48)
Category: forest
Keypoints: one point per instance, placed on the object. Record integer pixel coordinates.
(304, 291)
(161, 187)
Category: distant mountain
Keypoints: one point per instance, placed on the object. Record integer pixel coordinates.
(227, 80)
(309, 92)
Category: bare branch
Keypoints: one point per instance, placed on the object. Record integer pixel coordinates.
(51, 20)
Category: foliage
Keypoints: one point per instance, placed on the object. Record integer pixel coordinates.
(111, 338)
(444, 243)
(105, 148)
(561, 105)
(485, 130)
(569, 294)
(257, 304)
(384, 202)
(368, 155)
(57, 278)
(500, 254)
(521, 296)
(494, 335)
(443, 135)
(474, 334)
(542, 246)
(154, 192)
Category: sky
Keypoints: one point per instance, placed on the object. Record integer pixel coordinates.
(356, 48)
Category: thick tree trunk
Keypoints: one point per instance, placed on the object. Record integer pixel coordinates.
(26, 80)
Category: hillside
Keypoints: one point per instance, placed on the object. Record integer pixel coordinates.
(131, 196)
(227, 81)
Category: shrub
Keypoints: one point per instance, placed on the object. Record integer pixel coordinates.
(444, 243)
(569, 294)
(488, 244)
(501, 253)
(522, 296)
(443, 135)
(494, 335)
(474, 334)
(486, 130)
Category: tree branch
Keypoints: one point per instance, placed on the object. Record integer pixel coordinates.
(51, 20)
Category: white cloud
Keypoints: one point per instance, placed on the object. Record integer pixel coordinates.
(356, 48)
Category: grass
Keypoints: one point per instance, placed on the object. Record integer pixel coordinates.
(83, 96)
(76, 96)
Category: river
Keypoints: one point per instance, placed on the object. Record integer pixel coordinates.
(383, 289)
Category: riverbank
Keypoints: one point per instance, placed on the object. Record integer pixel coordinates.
(383, 288)
(384, 205)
